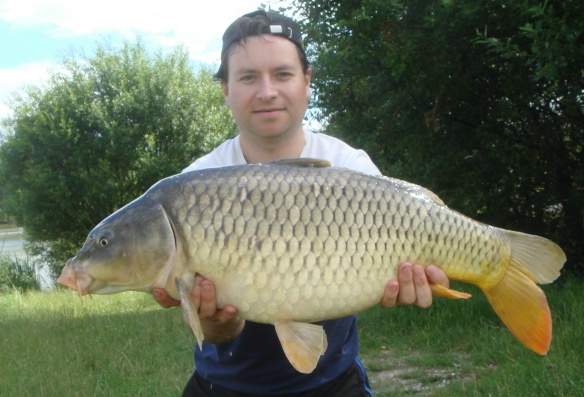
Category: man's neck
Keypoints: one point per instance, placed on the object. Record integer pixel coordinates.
(262, 150)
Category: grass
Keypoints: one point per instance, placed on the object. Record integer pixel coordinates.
(126, 345)
(118, 345)
(458, 348)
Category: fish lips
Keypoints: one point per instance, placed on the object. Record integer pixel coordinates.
(78, 280)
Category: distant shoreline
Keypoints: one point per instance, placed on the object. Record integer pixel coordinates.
(12, 240)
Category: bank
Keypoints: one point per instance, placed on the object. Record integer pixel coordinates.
(12, 241)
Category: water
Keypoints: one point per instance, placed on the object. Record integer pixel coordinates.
(12, 240)
(12, 245)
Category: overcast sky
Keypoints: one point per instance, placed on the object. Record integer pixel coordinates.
(35, 33)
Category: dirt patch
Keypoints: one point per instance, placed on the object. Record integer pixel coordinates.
(415, 373)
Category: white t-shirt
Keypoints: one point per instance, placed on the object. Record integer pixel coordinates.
(234, 365)
(316, 145)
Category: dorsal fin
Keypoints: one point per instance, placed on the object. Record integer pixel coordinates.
(416, 190)
(302, 162)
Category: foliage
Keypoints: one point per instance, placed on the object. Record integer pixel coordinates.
(17, 274)
(98, 134)
(3, 214)
(480, 101)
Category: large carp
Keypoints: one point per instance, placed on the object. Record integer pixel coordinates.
(297, 241)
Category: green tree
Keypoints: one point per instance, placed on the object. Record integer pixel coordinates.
(98, 134)
(480, 101)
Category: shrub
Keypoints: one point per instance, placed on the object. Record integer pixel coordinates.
(17, 273)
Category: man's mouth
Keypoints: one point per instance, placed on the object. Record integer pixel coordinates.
(268, 110)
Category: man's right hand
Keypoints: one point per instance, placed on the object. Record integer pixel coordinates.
(161, 296)
(219, 324)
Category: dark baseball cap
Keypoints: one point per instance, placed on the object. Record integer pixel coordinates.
(274, 23)
(255, 24)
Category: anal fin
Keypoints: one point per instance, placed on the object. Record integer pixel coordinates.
(439, 290)
(303, 343)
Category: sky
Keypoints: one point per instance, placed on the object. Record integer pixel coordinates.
(36, 34)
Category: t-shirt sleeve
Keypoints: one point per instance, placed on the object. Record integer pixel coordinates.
(228, 153)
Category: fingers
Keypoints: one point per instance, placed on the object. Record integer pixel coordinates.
(422, 289)
(407, 290)
(436, 275)
(389, 299)
(411, 287)
(161, 296)
(205, 297)
(205, 291)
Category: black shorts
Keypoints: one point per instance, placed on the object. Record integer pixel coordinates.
(353, 383)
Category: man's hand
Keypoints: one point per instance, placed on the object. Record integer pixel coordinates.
(219, 324)
(161, 296)
(412, 286)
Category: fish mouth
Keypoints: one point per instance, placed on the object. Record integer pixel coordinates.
(75, 279)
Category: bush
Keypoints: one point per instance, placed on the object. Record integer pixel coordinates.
(16, 273)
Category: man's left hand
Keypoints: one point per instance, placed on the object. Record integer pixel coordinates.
(412, 286)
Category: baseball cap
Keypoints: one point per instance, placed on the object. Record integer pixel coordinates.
(274, 23)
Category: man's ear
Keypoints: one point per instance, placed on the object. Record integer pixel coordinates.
(225, 89)
(307, 79)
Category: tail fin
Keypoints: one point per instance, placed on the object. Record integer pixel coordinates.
(518, 301)
(536, 256)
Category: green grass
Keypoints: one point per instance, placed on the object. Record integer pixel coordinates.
(51, 344)
(118, 345)
(461, 348)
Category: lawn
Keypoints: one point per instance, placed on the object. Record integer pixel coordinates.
(52, 344)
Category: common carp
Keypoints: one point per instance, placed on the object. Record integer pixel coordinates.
(297, 241)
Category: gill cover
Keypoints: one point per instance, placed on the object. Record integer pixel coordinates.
(126, 251)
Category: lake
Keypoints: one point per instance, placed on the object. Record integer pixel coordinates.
(12, 240)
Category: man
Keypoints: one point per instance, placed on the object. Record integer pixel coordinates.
(265, 78)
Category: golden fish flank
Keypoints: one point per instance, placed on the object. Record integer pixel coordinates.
(298, 241)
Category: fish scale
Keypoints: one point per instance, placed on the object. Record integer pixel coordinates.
(297, 241)
(307, 237)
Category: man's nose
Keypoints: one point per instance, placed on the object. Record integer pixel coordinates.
(267, 89)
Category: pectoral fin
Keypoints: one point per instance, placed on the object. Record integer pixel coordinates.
(185, 285)
(303, 344)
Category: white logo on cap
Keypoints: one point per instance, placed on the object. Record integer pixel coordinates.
(278, 29)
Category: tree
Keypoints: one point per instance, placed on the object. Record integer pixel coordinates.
(102, 131)
(481, 101)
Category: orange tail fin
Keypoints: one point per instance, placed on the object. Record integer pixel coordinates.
(516, 298)
(523, 307)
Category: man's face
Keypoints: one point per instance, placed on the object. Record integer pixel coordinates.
(266, 89)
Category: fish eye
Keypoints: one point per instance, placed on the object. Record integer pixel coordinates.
(103, 239)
